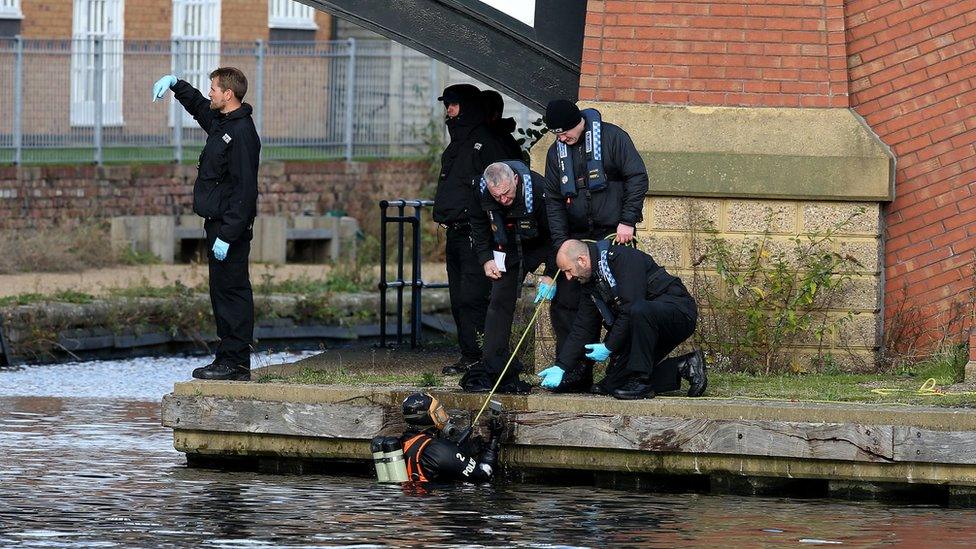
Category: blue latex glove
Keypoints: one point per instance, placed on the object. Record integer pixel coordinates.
(220, 249)
(546, 292)
(598, 351)
(163, 84)
(551, 377)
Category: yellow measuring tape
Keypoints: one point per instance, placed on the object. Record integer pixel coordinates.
(927, 389)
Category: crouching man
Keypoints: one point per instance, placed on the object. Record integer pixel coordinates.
(647, 313)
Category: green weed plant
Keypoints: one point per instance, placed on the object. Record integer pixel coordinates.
(764, 298)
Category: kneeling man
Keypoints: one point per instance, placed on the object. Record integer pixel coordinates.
(647, 313)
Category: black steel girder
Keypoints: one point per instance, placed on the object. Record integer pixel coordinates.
(532, 63)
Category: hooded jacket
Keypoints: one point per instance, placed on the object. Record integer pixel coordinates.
(502, 129)
(226, 188)
(473, 146)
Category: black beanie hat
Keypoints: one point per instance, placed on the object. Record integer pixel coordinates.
(562, 115)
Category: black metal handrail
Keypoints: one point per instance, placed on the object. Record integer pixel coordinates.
(416, 282)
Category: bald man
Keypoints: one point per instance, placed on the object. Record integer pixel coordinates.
(647, 313)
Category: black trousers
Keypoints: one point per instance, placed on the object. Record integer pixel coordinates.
(657, 327)
(231, 298)
(469, 288)
(501, 316)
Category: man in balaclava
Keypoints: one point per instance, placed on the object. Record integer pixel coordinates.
(502, 128)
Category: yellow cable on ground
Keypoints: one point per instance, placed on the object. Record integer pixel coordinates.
(927, 389)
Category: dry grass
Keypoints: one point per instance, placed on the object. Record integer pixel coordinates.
(56, 249)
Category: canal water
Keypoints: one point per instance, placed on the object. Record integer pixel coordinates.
(84, 462)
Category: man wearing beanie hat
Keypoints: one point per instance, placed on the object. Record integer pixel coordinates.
(471, 149)
(595, 187)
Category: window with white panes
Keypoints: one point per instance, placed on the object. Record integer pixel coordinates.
(93, 19)
(10, 9)
(196, 33)
(288, 14)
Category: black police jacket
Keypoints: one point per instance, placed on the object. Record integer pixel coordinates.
(432, 458)
(226, 188)
(596, 214)
(483, 239)
(628, 275)
(473, 146)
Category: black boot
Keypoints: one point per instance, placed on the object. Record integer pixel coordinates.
(197, 372)
(634, 389)
(514, 387)
(223, 371)
(693, 368)
(476, 381)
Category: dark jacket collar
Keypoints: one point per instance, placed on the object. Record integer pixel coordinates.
(244, 110)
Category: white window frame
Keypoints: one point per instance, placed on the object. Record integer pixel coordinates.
(10, 9)
(289, 14)
(196, 24)
(103, 19)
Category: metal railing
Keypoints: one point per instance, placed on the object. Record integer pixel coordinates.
(88, 100)
(416, 281)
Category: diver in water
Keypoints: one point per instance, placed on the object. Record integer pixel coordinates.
(430, 454)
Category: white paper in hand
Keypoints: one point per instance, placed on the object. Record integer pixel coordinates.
(499, 260)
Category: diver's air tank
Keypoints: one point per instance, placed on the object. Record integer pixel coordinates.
(379, 459)
(396, 468)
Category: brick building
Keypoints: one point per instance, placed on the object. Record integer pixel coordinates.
(906, 67)
(239, 20)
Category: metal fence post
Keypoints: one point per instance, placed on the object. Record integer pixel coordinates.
(259, 87)
(18, 100)
(175, 52)
(98, 94)
(350, 95)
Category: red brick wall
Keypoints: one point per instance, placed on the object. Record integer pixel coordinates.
(907, 66)
(46, 19)
(772, 53)
(35, 197)
(913, 78)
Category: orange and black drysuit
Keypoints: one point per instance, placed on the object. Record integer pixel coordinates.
(432, 458)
